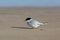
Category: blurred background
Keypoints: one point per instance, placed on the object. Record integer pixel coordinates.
(31, 3)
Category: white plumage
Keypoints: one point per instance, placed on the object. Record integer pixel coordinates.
(34, 23)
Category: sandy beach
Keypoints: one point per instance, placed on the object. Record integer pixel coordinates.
(13, 26)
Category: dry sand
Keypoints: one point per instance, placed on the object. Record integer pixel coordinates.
(13, 27)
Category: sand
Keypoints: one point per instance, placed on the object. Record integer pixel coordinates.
(13, 26)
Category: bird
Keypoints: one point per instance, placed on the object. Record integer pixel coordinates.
(34, 23)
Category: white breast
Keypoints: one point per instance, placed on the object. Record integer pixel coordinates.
(34, 23)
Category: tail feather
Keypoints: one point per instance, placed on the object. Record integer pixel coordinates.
(44, 23)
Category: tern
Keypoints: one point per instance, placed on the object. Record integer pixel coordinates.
(34, 23)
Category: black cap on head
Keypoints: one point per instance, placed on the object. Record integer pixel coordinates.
(28, 19)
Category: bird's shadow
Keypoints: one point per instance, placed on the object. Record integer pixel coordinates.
(26, 28)
(22, 27)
